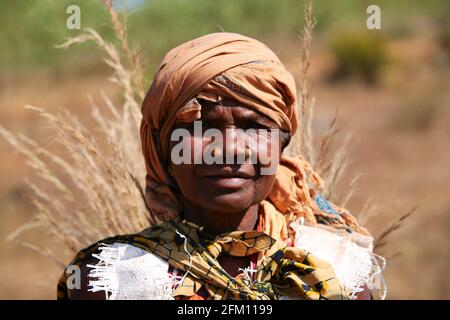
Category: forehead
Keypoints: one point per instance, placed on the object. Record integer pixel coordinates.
(230, 110)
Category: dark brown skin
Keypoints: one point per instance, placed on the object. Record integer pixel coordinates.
(224, 197)
(221, 198)
(83, 293)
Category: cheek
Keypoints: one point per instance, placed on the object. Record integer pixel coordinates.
(181, 159)
(262, 187)
(266, 150)
(187, 153)
(186, 149)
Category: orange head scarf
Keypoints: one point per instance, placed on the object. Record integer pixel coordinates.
(245, 69)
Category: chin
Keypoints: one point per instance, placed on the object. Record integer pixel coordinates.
(227, 203)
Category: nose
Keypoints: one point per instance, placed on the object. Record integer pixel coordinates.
(235, 145)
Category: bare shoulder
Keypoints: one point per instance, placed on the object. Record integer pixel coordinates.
(364, 295)
(82, 292)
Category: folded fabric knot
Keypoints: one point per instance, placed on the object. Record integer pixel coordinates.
(241, 243)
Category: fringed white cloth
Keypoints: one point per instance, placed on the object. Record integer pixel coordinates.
(350, 254)
(126, 272)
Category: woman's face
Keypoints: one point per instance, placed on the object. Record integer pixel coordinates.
(228, 187)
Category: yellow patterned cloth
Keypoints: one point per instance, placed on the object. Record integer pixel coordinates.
(281, 271)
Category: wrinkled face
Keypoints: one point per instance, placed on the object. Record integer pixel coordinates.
(235, 186)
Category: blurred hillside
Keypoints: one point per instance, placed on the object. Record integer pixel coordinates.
(30, 29)
(399, 116)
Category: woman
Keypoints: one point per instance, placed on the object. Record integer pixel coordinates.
(224, 232)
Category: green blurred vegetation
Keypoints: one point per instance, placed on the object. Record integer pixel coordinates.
(359, 54)
(30, 28)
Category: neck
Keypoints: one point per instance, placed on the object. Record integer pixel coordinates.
(216, 223)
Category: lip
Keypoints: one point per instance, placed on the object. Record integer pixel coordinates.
(227, 173)
(227, 182)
